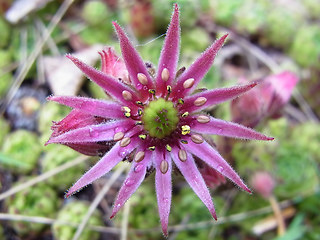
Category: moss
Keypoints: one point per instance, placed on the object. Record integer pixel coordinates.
(74, 212)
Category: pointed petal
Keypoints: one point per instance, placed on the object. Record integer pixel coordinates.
(163, 188)
(102, 167)
(132, 182)
(228, 129)
(198, 69)
(214, 97)
(111, 85)
(209, 155)
(192, 175)
(93, 133)
(170, 53)
(134, 63)
(90, 149)
(101, 108)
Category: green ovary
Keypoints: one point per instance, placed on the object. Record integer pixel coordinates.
(160, 118)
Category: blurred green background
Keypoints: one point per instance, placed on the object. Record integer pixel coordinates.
(267, 37)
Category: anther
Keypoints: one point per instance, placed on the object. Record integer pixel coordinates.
(200, 101)
(127, 95)
(139, 156)
(152, 91)
(184, 141)
(188, 83)
(203, 119)
(125, 109)
(169, 89)
(118, 136)
(139, 103)
(185, 114)
(164, 166)
(165, 74)
(152, 148)
(182, 155)
(180, 71)
(180, 101)
(142, 78)
(185, 129)
(196, 138)
(140, 112)
(127, 114)
(142, 136)
(138, 123)
(125, 142)
(169, 148)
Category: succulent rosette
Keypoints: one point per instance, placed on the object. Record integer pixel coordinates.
(156, 117)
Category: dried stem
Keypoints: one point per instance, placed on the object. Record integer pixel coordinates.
(38, 47)
(43, 177)
(278, 215)
(97, 200)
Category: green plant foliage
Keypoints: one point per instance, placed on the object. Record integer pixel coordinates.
(51, 160)
(74, 212)
(305, 49)
(22, 146)
(39, 200)
(224, 11)
(5, 32)
(5, 128)
(95, 12)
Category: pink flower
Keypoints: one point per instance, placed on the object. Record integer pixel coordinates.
(264, 101)
(158, 119)
(263, 183)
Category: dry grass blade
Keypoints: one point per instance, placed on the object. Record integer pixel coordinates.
(125, 221)
(43, 177)
(30, 60)
(50, 221)
(97, 200)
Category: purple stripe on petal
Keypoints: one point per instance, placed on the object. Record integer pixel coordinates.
(192, 175)
(163, 188)
(102, 167)
(92, 133)
(133, 62)
(215, 96)
(209, 155)
(198, 69)
(228, 129)
(170, 53)
(132, 182)
(101, 108)
(111, 85)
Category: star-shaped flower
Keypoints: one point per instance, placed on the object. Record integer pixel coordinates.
(155, 116)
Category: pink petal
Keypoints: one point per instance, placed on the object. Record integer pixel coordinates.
(132, 182)
(228, 129)
(101, 108)
(192, 175)
(170, 53)
(163, 188)
(92, 133)
(112, 86)
(113, 65)
(134, 63)
(209, 155)
(198, 69)
(102, 167)
(215, 96)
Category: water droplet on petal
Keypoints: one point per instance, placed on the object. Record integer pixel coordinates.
(118, 129)
(138, 168)
(128, 182)
(139, 86)
(93, 133)
(145, 88)
(118, 205)
(220, 130)
(165, 199)
(123, 152)
(220, 169)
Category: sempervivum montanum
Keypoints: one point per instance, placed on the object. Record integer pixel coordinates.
(156, 117)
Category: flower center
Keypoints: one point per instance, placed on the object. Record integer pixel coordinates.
(160, 118)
